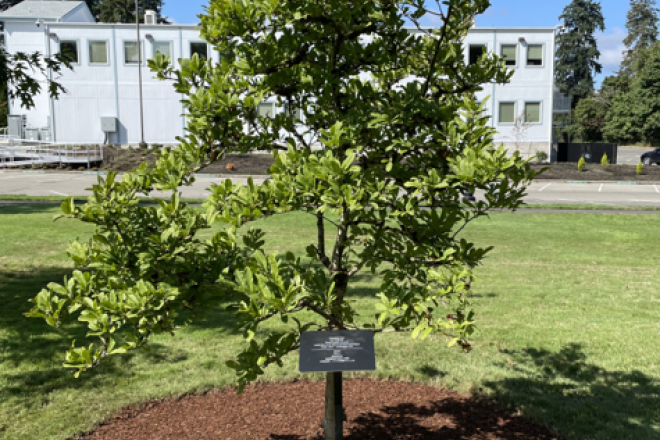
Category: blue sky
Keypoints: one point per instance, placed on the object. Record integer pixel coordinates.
(504, 13)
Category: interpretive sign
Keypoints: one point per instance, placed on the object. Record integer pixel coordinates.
(337, 350)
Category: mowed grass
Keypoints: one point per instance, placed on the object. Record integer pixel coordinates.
(568, 311)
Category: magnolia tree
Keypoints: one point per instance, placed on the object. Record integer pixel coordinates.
(379, 138)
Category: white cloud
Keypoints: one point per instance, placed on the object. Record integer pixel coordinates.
(611, 48)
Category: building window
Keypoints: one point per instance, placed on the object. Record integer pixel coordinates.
(164, 47)
(98, 52)
(131, 55)
(533, 112)
(200, 49)
(507, 112)
(476, 51)
(266, 110)
(292, 111)
(535, 55)
(509, 52)
(69, 48)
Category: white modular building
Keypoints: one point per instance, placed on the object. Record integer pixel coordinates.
(102, 103)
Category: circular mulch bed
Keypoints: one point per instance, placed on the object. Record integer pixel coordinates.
(294, 410)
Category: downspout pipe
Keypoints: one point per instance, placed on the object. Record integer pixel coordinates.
(552, 89)
(493, 104)
(51, 103)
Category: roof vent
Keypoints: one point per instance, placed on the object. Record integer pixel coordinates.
(149, 17)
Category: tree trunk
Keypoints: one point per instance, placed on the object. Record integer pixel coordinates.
(333, 425)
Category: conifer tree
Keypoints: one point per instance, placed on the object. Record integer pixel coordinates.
(577, 49)
(642, 25)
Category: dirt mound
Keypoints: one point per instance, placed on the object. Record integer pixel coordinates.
(294, 410)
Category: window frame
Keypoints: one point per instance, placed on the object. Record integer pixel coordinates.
(89, 52)
(272, 104)
(516, 45)
(123, 48)
(499, 112)
(153, 47)
(469, 46)
(532, 66)
(190, 52)
(540, 103)
(74, 40)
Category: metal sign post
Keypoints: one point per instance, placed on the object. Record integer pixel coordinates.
(333, 352)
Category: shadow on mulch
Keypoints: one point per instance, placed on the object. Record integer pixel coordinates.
(294, 410)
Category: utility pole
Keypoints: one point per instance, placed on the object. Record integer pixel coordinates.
(139, 49)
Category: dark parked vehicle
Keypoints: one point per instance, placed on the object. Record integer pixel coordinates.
(651, 157)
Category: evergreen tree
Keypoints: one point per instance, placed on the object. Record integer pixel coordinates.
(123, 11)
(6, 4)
(642, 25)
(577, 50)
(635, 115)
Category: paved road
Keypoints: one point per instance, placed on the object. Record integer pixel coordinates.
(630, 155)
(68, 184)
(543, 192)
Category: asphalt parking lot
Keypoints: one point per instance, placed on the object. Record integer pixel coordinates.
(73, 184)
(541, 192)
(630, 155)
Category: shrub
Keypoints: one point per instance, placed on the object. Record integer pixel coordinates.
(640, 168)
(81, 168)
(604, 161)
(95, 169)
(143, 145)
(581, 164)
(541, 156)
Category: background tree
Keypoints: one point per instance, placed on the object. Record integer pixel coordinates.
(577, 49)
(123, 11)
(635, 115)
(590, 118)
(642, 25)
(384, 190)
(22, 75)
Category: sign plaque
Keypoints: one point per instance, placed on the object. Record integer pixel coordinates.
(336, 351)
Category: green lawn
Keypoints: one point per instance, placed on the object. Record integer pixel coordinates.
(568, 309)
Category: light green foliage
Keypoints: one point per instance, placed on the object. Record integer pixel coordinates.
(640, 168)
(604, 161)
(395, 160)
(581, 164)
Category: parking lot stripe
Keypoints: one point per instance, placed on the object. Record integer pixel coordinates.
(600, 188)
(59, 193)
(545, 186)
(656, 188)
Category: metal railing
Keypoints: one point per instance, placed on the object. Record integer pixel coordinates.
(22, 152)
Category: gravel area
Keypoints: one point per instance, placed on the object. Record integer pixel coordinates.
(378, 410)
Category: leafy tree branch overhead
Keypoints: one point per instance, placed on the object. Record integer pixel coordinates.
(379, 139)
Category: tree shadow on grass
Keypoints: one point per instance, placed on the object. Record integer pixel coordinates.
(581, 399)
(32, 352)
(29, 208)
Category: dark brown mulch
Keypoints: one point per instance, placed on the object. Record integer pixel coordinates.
(294, 410)
(592, 171)
(252, 164)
